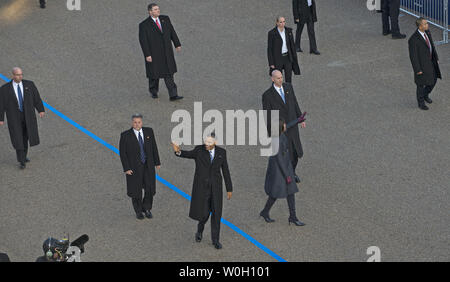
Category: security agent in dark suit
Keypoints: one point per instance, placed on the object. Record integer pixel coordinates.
(210, 160)
(425, 62)
(156, 35)
(281, 50)
(305, 13)
(391, 10)
(20, 99)
(139, 157)
(281, 97)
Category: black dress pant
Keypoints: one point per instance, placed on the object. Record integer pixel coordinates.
(291, 205)
(153, 85)
(215, 219)
(423, 91)
(285, 65)
(390, 10)
(22, 153)
(146, 203)
(311, 35)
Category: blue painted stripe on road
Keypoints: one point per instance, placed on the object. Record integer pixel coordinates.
(160, 179)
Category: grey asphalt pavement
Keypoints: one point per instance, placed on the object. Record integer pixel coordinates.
(375, 170)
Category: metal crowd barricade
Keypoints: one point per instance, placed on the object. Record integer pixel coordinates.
(435, 11)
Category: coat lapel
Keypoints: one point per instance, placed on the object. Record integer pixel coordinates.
(278, 97)
(152, 22)
(13, 94)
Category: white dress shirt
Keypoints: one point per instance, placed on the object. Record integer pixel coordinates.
(284, 48)
(15, 89)
(137, 134)
(425, 38)
(279, 92)
(309, 3)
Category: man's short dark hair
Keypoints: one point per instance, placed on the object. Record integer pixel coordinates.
(419, 21)
(136, 116)
(151, 5)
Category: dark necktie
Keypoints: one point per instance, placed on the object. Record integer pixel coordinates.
(141, 145)
(19, 94)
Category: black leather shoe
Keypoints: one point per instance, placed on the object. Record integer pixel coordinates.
(299, 50)
(315, 52)
(22, 166)
(398, 36)
(296, 222)
(217, 245)
(198, 237)
(297, 179)
(140, 216)
(423, 107)
(266, 218)
(386, 33)
(148, 214)
(176, 98)
(428, 100)
(27, 160)
(154, 96)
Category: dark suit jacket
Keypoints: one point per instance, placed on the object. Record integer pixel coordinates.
(130, 157)
(31, 103)
(208, 176)
(303, 12)
(271, 100)
(274, 46)
(158, 45)
(422, 61)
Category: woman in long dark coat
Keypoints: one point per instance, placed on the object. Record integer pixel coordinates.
(280, 181)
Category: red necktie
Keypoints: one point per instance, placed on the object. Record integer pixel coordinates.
(157, 23)
(428, 43)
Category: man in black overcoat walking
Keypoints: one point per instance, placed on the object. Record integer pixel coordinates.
(280, 96)
(139, 157)
(19, 99)
(305, 13)
(281, 50)
(207, 188)
(425, 62)
(156, 35)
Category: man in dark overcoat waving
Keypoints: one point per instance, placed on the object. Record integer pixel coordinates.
(156, 35)
(207, 188)
(19, 99)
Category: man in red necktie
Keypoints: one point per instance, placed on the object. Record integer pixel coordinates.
(425, 62)
(156, 35)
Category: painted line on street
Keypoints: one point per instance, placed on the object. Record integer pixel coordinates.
(160, 179)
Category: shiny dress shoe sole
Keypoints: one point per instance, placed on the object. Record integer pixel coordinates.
(176, 98)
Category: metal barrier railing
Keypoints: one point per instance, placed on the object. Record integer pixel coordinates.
(435, 11)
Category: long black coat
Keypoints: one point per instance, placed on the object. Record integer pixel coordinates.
(208, 176)
(275, 45)
(131, 159)
(271, 100)
(31, 102)
(421, 61)
(158, 45)
(303, 12)
(279, 168)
